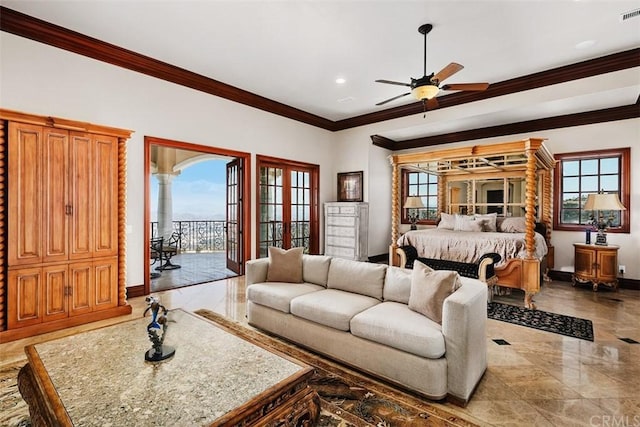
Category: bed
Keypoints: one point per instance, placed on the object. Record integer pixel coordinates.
(520, 172)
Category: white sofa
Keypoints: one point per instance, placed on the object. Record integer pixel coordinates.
(357, 313)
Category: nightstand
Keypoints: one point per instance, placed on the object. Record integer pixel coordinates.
(597, 264)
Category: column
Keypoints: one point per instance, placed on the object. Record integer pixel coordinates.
(165, 205)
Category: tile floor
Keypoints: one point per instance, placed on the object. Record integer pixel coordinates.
(539, 379)
(194, 268)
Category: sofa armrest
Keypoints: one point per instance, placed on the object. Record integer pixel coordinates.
(464, 323)
(256, 271)
(486, 267)
(408, 254)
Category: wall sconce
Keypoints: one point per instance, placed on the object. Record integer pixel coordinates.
(413, 202)
(598, 203)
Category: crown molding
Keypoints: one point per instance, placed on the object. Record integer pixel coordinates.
(568, 120)
(45, 32)
(41, 31)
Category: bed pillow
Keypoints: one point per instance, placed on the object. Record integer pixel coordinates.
(513, 224)
(447, 221)
(490, 221)
(429, 289)
(472, 225)
(466, 223)
(285, 265)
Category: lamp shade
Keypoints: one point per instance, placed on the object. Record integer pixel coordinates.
(603, 202)
(413, 202)
(425, 92)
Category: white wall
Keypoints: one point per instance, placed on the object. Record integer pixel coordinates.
(39, 79)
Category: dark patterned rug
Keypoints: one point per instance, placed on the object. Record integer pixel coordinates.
(542, 320)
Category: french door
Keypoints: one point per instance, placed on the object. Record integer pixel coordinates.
(234, 220)
(287, 205)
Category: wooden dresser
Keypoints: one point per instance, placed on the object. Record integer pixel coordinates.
(65, 216)
(346, 226)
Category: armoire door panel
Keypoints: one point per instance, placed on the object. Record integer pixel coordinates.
(55, 293)
(81, 278)
(105, 278)
(81, 195)
(25, 297)
(55, 165)
(25, 194)
(106, 196)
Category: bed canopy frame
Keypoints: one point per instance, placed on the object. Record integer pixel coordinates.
(527, 158)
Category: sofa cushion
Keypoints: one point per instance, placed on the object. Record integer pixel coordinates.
(429, 289)
(285, 265)
(356, 276)
(397, 285)
(331, 307)
(315, 269)
(278, 295)
(395, 325)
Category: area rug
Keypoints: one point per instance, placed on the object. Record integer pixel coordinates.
(349, 398)
(542, 320)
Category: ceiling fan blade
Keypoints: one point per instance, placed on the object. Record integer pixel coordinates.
(466, 86)
(432, 104)
(447, 72)
(393, 99)
(391, 82)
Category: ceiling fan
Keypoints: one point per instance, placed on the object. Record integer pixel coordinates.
(427, 87)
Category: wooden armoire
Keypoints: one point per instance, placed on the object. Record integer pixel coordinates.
(62, 223)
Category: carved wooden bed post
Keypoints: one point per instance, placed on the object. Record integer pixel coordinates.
(395, 211)
(531, 265)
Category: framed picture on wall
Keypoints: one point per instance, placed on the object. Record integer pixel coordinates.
(350, 186)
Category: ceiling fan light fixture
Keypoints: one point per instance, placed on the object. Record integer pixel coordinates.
(425, 92)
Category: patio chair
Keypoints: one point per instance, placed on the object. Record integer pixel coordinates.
(168, 251)
(155, 253)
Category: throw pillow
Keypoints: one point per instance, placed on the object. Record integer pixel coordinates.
(429, 289)
(491, 220)
(462, 223)
(447, 221)
(473, 225)
(513, 224)
(285, 265)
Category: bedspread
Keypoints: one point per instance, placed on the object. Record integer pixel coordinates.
(466, 246)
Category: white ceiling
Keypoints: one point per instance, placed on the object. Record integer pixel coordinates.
(293, 51)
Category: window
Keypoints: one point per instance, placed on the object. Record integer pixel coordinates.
(579, 174)
(425, 186)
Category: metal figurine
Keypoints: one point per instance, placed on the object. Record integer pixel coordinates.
(159, 321)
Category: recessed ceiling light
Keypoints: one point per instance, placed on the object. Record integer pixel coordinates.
(585, 44)
(341, 80)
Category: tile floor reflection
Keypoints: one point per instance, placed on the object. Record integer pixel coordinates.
(540, 379)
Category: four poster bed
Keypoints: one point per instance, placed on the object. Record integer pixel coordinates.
(491, 198)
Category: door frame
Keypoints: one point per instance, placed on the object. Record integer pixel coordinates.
(246, 205)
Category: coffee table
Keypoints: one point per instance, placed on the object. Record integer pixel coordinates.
(100, 377)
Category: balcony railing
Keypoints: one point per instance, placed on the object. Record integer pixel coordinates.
(198, 236)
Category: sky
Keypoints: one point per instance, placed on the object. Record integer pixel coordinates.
(199, 192)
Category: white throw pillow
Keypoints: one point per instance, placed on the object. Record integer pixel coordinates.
(462, 223)
(447, 221)
(490, 221)
(513, 224)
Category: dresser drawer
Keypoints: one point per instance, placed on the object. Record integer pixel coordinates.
(349, 242)
(344, 221)
(337, 251)
(341, 231)
(341, 210)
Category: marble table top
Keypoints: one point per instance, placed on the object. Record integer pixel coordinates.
(103, 379)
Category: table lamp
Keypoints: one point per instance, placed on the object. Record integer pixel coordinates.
(598, 203)
(413, 202)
